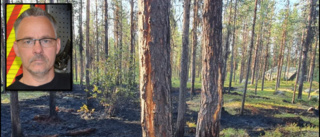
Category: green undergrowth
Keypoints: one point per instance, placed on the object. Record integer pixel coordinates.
(292, 130)
(264, 102)
(232, 132)
(23, 95)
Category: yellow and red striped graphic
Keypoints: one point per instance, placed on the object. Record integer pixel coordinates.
(14, 67)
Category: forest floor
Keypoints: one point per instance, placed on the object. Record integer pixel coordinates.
(264, 115)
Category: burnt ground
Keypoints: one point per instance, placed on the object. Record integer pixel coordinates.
(126, 121)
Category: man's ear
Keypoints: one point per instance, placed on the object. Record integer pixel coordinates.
(58, 46)
(16, 49)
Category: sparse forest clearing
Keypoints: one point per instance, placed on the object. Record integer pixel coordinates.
(161, 68)
(266, 114)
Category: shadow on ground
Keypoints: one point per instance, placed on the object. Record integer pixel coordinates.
(125, 124)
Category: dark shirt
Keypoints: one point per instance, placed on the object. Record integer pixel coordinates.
(61, 81)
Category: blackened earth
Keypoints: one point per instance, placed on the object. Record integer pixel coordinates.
(126, 121)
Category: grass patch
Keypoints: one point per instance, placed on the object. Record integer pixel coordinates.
(23, 95)
(176, 83)
(279, 105)
(232, 132)
(313, 120)
(292, 130)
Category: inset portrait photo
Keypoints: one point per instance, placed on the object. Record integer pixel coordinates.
(38, 47)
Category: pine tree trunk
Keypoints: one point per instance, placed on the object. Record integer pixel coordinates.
(243, 56)
(235, 63)
(16, 130)
(226, 51)
(274, 64)
(288, 63)
(305, 47)
(282, 48)
(155, 69)
(233, 41)
(298, 70)
(116, 37)
(184, 70)
(120, 42)
(258, 68)
(52, 104)
(132, 68)
(3, 54)
(97, 45)
(88, 62)
(208, 124)
(311, 64)
(249, 61)
(258, 61)
(194, 45)
(75, 61)
(312, 67)
(106, 46)
(81, 46)
(74, 50)
(266, 55)
(254, 62)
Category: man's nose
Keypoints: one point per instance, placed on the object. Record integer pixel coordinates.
(37, 48)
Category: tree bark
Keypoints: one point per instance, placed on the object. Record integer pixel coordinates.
(299, 67)
(283, 45)
(116, 38)
(312, 68)
(305, 47)
(87, 53)
(3, 46)
(120, 42)
(194, 45)
(233, 40)
(288, 61)
(16, 130)
(106, 46)
(235, 62)
(132, 68)
(254, 62)
(244, 50)
(75, 61)
(74, 50)
(184, 70)
(258, 58)
(249, 61)
(266, 55)
(81, 46)
(226, 51)
(282, 48)
(259, 66)
(208, 124)
(155, 69)
(97, 44)
(52, 104)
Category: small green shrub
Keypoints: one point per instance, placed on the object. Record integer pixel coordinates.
(232, 132)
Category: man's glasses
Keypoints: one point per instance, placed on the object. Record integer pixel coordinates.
(29, 43)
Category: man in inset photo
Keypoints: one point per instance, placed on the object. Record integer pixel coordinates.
(37, 44)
